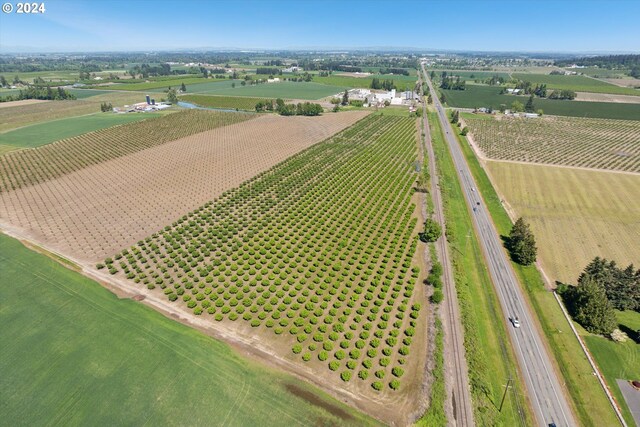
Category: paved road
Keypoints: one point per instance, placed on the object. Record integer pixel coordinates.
(458, 404)
(547, 398)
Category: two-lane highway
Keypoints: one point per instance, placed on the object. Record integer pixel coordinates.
(548, 400)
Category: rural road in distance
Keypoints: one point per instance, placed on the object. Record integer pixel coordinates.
(549, 402)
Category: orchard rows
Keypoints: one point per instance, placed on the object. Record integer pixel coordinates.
(27, 167)
(591, 143)
(318, 249)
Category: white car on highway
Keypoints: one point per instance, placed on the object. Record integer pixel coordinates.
(516, 322)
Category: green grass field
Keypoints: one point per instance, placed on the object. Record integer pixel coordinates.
(489, 356)
(575, 83)
(401, 82)
(74, 354)
(47, 132)
(618, 360)
(160, 84)
(226, 102)
(473, 75)
(489, 96)
(590, 402)
(285, 90)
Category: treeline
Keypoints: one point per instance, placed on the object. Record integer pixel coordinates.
(268, 70)
(279, 106)
(386, 84)
(400, 71)
(607, 61)
(454, 83)
(540, 90)
(33, 92)
(602, 288)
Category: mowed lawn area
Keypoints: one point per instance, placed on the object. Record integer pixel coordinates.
(74, 354)
(575, 215)
(47, 132)
(476, 96)
(618, 360)
(575, 83)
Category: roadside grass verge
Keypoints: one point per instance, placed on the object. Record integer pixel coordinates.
(489, 356)
(435, 414)
(589, 400)
(74, 354)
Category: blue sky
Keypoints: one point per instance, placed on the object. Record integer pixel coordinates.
(515, 25)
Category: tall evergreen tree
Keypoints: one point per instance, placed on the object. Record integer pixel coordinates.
(529, 107)
(592, 309)
(522, 243)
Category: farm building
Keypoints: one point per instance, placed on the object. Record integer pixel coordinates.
(274, 80)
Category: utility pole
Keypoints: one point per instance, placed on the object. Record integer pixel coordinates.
(504, 396)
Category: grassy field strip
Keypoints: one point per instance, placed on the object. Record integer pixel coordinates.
(590, 402)
(47, 132)
(490, 358)
(87, 358)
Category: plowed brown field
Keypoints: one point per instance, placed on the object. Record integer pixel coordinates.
(93, 212)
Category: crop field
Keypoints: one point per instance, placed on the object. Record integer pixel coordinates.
(75, 354)
(290, 90)
(47, 132)
(18, 115)
(160, 84)
(316, 254)
(575, 215)
(472, 75)
(232, 102)
(575, 83)
(121, 184)
(23, 168)
(589, 143)
(401, 82)
(476, 96)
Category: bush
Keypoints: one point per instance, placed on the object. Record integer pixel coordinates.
(398, 372)
(363, 375)
(437, 296)
(297, 349)
(377, 385)
(346, 376)
(394, 384)
(340, 354)
(323, 355)
(306, 357)
(334, 365)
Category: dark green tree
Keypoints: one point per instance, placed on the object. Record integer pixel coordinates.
(622, 286)
(432, 231)
(172, 97)
(522, 243)
(529, 107)
(345, 97)
(592, 309)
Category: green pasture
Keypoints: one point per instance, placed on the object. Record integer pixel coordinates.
(289, 90)
(75, 354)
(575, 83)
(402, 82)
(227, 102)
(51, 131)
(473, 75)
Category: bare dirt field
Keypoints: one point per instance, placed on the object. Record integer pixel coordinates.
(575, 214)
(630, 82)
(21, 102)
(607, 97)
(92, 213)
